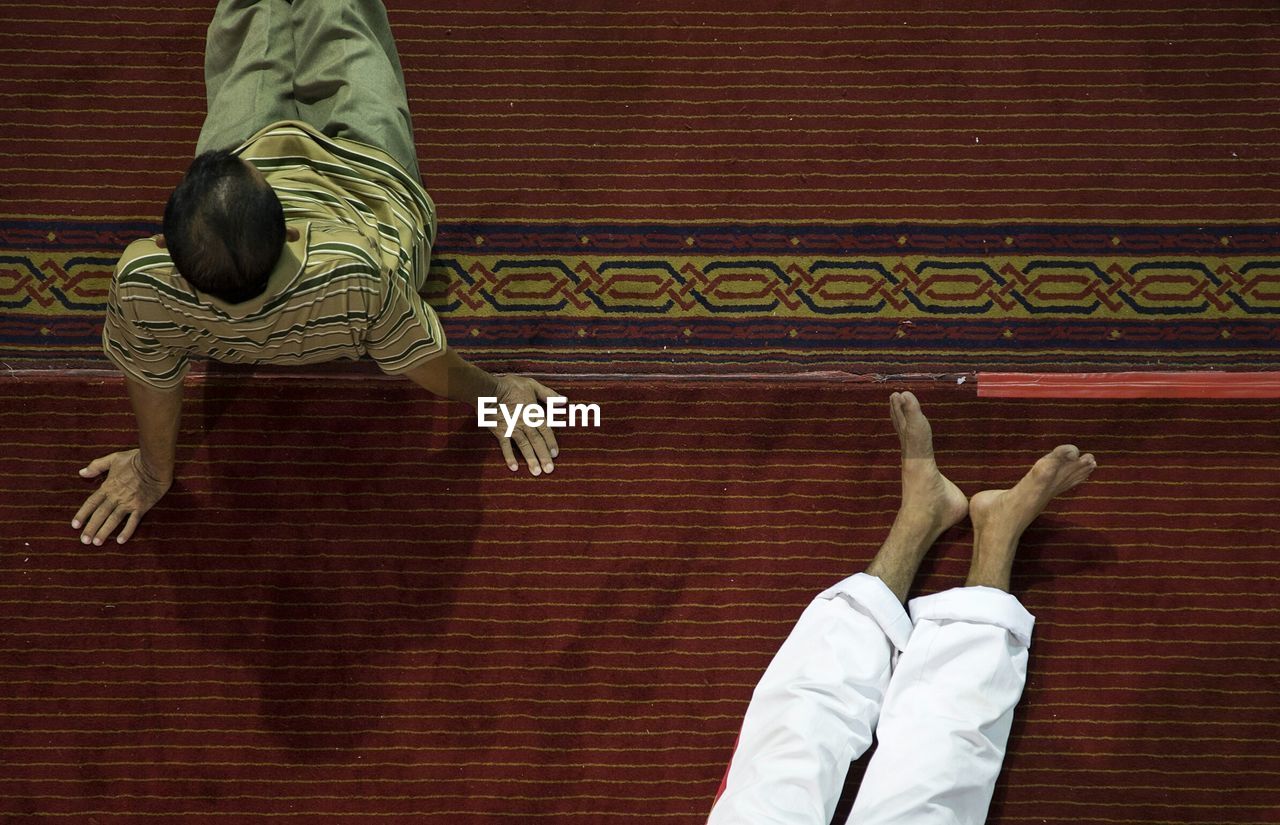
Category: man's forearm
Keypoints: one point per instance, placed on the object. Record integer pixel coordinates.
(451, 376)
(158, 413)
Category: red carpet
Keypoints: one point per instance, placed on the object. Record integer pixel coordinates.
(688, 113)
(349, 611)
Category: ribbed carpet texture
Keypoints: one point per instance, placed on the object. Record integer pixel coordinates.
(1150, 111)
(349, 610)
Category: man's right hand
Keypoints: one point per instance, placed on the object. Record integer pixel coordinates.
(128, 492)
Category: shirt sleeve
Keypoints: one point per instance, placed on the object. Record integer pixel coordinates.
(135, 351)
(406, 331)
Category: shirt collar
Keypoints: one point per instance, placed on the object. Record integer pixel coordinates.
(293, 259)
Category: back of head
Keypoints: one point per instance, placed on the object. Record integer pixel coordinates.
(224, 227)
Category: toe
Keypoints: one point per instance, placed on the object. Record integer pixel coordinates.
(895, 411)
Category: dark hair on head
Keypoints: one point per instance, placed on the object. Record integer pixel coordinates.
(223, 228)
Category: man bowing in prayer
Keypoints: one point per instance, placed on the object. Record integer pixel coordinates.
(301, 233)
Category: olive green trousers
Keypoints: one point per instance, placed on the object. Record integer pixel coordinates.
(331, 64)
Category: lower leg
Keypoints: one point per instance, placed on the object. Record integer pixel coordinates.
(814, 710)
(930, 502)
(945, 722)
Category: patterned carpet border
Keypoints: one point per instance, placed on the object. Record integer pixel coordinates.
(809, 295)
(907, 238)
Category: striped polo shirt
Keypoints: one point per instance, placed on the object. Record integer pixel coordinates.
(348, 286)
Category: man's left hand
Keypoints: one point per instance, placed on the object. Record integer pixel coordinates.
(536, 444)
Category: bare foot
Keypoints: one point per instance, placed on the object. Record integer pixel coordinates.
(930, 502)
(927, 495)
(1001, 516)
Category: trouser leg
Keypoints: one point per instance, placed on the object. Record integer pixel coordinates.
(348, 82)
(945, 722)
(248, 71)
(815, 708)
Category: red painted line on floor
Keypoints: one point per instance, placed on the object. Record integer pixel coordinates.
(1129, 385)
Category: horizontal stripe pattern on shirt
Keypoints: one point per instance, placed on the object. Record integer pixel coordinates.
(347, 287)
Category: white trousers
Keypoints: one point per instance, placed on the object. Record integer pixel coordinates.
(937, 690)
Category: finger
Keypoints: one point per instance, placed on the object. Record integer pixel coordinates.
(552, 448)
(129, 527)
(508, 454)
(96, 466)
(113, 521)
(549, 436)
(90, 504)
(541, 450)
(99, 515)
(526, 450)
(543, 393)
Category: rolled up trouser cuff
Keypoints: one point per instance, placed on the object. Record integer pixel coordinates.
(873, 597)
(979, 605)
